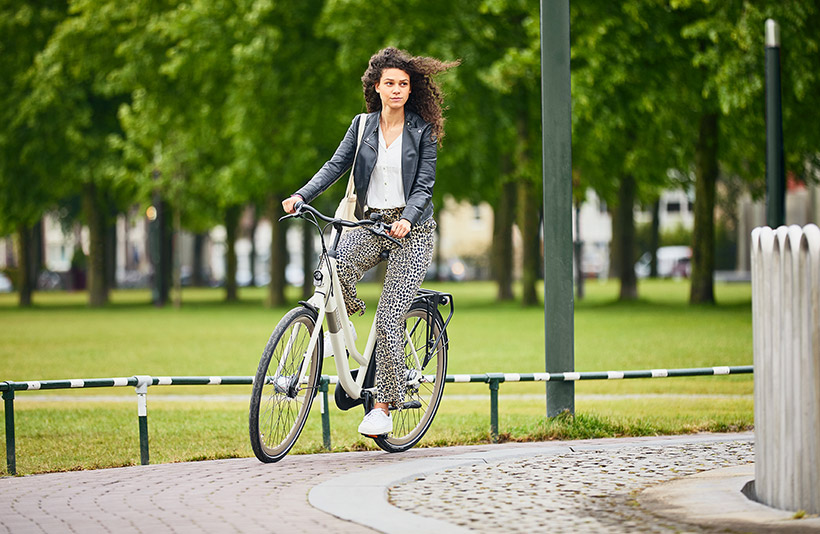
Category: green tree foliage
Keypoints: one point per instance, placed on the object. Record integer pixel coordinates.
(679, 85)
(726, 77)
(26, 180)
(179, 72)
(288, 108)
(214, 105)
(71, 100)
(627, 67)
(493, 128)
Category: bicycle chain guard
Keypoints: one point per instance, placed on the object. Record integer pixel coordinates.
(343, 400)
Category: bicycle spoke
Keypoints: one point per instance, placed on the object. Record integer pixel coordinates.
(410, 423)
(281, 400)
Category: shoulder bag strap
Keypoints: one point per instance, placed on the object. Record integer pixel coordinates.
(351, 187)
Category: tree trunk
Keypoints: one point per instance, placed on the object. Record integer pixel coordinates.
(231, 229)
(502, 241)
(579, 254)
(177, 263)
(166, 252)
(703, 234)
(159, 251)
(111, 252)
(655, 238)
(252, 237)
(10, 259)
(278, 261)
(95, 218)
(307, 259)
(25, 256)
(624, 234)
(38, 252)
(528, 202)
(197, 269)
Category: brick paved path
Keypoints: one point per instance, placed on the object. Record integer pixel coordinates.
(244, 495)
(238, 495)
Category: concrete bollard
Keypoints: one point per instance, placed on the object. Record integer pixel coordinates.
(786, 323)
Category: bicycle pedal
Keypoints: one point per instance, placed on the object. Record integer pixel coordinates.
(375, 436)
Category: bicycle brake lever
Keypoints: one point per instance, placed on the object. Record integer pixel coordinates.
(393, 239)
(297, 212)
(379, 231)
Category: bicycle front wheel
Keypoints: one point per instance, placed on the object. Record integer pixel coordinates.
(284, 386)
(425, 371)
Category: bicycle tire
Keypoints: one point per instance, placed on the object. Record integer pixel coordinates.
(410, 424)
(279, 406)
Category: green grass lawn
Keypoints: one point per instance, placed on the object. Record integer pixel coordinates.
(61, 338)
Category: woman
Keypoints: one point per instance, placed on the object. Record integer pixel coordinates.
(394, 174)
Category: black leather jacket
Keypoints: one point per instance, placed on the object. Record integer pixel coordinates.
(418, 165)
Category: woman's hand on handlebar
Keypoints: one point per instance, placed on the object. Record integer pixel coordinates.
(399, 228)
(289, 203)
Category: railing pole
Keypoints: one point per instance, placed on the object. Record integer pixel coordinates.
(142, 411)
(325, 414)
(11, 455)
(494, 381)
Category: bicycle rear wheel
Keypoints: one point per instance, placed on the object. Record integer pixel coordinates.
(425, 380)
(280, 401)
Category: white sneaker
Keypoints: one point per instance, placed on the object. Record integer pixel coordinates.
(376, 423)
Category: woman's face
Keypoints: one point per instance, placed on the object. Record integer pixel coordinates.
(393, 88)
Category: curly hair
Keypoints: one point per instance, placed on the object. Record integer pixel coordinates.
(426, 98)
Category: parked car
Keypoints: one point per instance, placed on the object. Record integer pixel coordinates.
(673, 262)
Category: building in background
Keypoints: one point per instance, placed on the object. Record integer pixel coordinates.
(464, 240)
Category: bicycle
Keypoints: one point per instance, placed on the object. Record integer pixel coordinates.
(287, 379)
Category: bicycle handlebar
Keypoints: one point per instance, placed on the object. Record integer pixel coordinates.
(374, 227)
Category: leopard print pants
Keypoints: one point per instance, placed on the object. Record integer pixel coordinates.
(358, 251)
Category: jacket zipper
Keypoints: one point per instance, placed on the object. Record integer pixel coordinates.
(365, 141)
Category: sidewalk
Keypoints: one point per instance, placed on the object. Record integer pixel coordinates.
(570, 486)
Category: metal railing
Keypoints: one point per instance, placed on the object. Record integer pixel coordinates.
(142, 382)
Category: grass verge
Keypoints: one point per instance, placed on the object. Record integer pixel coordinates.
(61, 338)
(72, 435)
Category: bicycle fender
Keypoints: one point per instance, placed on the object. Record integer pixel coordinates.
(310, 306)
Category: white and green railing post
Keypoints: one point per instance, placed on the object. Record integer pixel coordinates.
(142, 412)
(8, 403)
(494, 379)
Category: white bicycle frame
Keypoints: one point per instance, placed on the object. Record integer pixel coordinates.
(328, 300)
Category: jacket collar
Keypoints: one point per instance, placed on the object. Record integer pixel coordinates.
(413, 120)
(412, 123)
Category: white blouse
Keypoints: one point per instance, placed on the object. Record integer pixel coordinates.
(386, 189)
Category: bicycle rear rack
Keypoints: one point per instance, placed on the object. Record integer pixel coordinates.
(433, 299)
